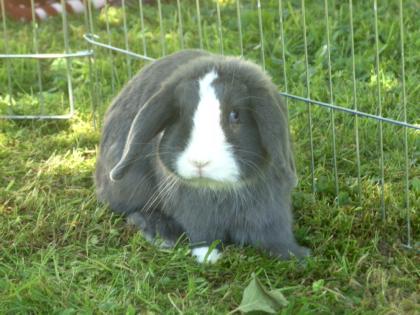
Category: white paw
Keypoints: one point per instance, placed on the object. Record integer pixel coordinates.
(200, 254)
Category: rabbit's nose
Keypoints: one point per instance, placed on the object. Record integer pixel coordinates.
(199, 163)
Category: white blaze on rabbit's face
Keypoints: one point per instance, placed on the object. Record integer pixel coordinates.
(208, 155)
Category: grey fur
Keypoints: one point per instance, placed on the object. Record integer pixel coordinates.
(147, 126)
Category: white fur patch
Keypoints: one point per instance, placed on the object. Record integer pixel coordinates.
(207, 145)
(200, 254)
(98, 3)
(76, 6)
(57, 7)
(41, 13)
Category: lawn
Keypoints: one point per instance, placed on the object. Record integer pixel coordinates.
(63, 253)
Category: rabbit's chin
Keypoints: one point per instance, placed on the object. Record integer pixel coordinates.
(203, 182)
(209, 183)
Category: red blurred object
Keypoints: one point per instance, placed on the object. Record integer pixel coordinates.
(21, 10)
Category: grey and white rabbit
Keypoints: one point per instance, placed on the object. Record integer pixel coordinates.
(199, 144)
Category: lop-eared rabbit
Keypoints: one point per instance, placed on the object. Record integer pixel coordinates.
(198, 144)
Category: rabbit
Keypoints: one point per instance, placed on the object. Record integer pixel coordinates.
(198, 144)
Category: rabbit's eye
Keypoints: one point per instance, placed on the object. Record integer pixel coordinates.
(233, 117)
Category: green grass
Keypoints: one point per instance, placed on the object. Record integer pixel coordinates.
(63, 253)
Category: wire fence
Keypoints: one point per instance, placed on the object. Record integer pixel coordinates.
(9, 57)
(345, 63)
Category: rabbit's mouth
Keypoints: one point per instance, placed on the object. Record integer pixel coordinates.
(211, 176)
(197, 179)
(208, 183)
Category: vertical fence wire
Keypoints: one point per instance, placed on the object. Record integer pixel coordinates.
(38, 62)
(239, 19)
(110, 54)
(260, 27)
(180, 27)
(200, 30)
(219, 28)
(126, 44)
(162, 31)
(88, 16)
(6, 50)
(308, 95)
(93, 71)
(404, 103)
(143, 30)
(68, 60)
(378, 90)
(332, 114)
(283, 54)
(355, 105)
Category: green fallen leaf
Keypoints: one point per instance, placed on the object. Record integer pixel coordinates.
(257, 298)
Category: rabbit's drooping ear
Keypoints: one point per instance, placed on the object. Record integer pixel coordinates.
(149, 121)
(271, 118)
